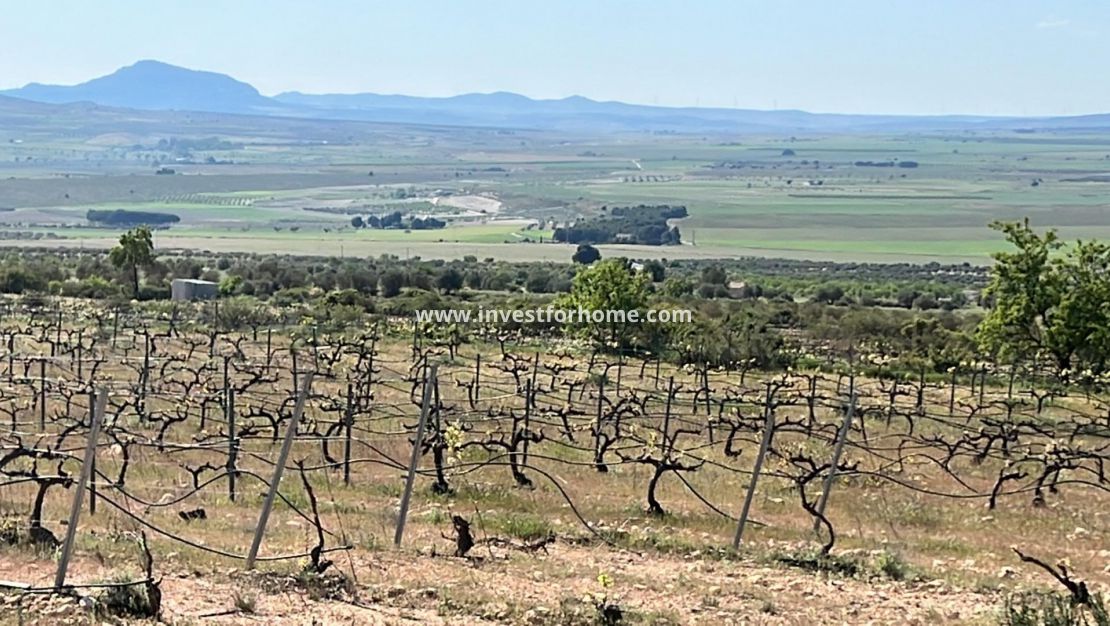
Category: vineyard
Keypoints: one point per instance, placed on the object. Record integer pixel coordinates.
(136, 447)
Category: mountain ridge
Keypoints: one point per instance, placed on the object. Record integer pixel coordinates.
(151, 85)
(155, 85)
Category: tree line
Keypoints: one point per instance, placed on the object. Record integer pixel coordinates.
(397, 221)
(643, 225)
(1045, 303)
(126, 218)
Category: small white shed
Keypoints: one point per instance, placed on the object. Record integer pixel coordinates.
(193, 289)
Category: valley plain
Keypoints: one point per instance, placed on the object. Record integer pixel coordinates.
(251, 183)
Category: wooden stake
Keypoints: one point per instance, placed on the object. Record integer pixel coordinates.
(348, 424)
(841, 437)
(279, 468)
(768, 432)
(79, 493)
(232, 442)
(406, 496)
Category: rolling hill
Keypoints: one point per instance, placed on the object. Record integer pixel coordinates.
(153, 85)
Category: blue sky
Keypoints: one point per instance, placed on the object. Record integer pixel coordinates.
(1015, 57)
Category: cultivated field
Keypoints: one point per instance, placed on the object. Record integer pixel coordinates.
(292, 186)
(593, 488)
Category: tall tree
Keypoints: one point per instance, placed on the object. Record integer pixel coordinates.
(1078, 330)
(1021, 293)
(1042, 301)
(134, 251)
(612, 290)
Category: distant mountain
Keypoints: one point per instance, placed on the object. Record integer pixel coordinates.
(579, 113)
(24, 120)
(152, 85)
(156, 86)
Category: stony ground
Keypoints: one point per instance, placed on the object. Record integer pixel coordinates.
(495, 587)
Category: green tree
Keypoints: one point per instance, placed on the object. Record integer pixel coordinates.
(134, 251)
(449, 281)
(714, 275)
(539, 281)
(746, 339)
(612, 288)
(392, 282)
(1022, 291)
(1044, 302)
(1079, 324)
(677, 287)
(19, 279)
(929, 341)
(656, 270)
(586, 254)
(230, 285)
(828, 294)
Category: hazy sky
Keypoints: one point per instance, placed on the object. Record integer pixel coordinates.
(891, 56)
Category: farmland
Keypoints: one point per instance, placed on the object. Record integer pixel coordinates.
(303, 446)
(592, 484)
(554, 314)
(294, 186)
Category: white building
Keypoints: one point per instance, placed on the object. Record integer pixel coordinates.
(193, 289)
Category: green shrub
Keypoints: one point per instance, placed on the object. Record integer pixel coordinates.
(893, 566)
(1053, 609)
(128, 600)
(525, 527)
(814, 561)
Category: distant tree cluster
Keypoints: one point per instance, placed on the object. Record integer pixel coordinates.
(185, 145)
(905, 164)
(392, 284)
(397, 221)
(126, 218)
(643, 224)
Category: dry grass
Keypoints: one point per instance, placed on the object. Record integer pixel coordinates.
(951, 555)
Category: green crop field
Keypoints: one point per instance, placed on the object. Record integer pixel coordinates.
(822, 197)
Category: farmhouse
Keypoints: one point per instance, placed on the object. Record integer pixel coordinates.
(192, 289)
(737, 289)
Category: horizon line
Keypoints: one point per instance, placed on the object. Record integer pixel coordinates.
(275, 95)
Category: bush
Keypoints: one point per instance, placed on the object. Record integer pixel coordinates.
(1053, 609)
(450, 281)
(289, 297)
(525, 527)
(925, 302)
(891, 565)
(814, 561)
(346, 297)
(153, 292)
(829, 294)
(21, 280)
(711, 290)
(91, 287)
(128, 600)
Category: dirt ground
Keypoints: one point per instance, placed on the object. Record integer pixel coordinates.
(497, 587)
(919, 549)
